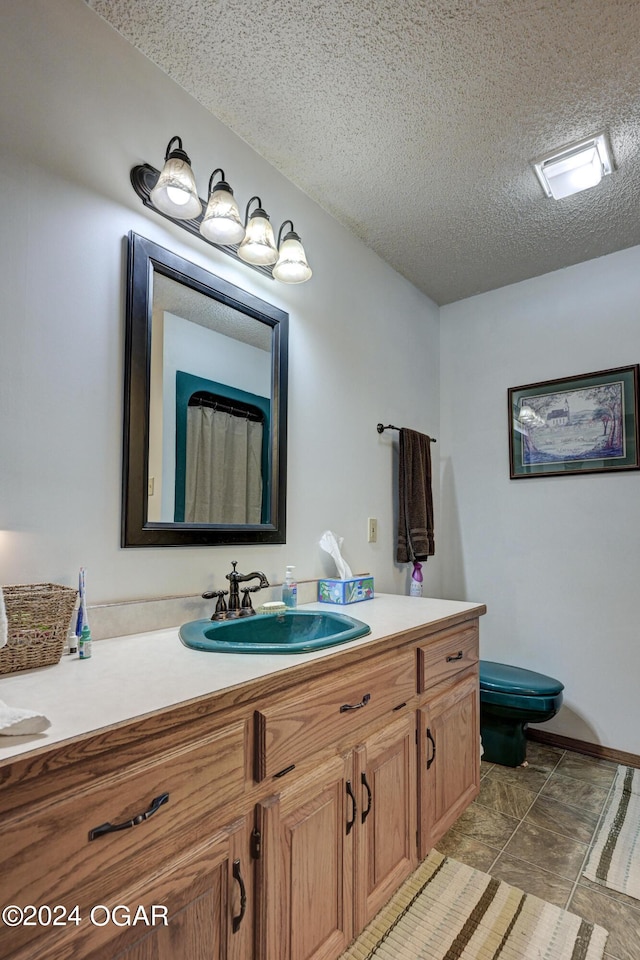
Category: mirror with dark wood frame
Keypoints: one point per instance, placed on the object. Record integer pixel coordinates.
(205, 413)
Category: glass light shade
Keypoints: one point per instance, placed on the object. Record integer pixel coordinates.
(175, 193)
(221, 222)
(259, 245)
(292, 266)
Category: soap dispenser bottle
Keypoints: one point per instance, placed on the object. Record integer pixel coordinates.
(290, 589)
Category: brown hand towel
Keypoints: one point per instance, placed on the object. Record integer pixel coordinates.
(415, 499)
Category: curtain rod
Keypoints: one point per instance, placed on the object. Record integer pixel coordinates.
(246, 413)
(381, 428)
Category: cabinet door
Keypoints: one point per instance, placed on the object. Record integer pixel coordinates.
(65, 843)
(448, 757)
(385, 837)
(303, 893)
(197, 931)
(195, 907)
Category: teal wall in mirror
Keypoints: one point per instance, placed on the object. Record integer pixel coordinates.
(193, 390)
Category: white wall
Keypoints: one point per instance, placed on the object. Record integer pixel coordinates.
(79, 107)
(555, 559)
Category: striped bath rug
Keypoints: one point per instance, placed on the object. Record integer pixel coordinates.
(449, 911)
(614, 860)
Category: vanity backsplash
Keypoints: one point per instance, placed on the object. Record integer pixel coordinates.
(122, 618)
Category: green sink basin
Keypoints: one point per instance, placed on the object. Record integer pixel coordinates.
(296, 631)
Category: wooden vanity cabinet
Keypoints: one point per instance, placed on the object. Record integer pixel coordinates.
(193, 906)
(127, 852)
(330, 711)
(305, 873)
(343, 829)
(335, 844)
(204, 893)
(298, 804)
(448, 732)
(385, 834)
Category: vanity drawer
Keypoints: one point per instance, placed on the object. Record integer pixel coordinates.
(446, 654)
(50, 846)
(329, 710)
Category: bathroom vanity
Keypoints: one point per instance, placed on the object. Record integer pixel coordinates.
(267, 809)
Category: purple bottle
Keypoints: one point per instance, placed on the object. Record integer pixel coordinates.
(416, 580)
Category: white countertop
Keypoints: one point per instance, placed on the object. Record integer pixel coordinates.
(128, 677)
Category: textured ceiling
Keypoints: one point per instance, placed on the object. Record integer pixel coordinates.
(414, 122)
(184, 301)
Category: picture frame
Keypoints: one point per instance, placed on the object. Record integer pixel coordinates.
(582, 424)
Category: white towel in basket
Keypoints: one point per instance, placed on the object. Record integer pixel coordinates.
(4, 627)
(15, 721)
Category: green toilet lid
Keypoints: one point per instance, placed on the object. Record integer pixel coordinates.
(501, 678)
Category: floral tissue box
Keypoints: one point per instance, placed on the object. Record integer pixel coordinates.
(345, 591)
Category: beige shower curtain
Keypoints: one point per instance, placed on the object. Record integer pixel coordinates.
(223, 481)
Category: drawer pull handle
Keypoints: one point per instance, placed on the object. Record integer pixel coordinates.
(354, 807)
(356, 706)
(243, 897)
(363, 781)
(433, 744)
(140, 818)
(458, 656)
(283, 773)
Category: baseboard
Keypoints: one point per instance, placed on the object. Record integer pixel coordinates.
(581, 746)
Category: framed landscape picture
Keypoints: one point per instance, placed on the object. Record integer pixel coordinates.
(582, 424)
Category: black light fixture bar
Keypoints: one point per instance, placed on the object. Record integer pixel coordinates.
(144, 178)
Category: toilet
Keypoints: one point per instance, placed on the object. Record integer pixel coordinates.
(510, 699)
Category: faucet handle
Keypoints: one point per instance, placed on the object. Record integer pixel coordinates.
(246, 599)
(221, 606)
(210, 594)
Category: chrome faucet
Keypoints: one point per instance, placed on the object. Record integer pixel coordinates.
(236, 608)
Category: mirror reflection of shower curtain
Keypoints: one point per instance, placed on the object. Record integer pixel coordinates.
(223, 482)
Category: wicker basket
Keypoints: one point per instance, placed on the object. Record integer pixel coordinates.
(38, 616)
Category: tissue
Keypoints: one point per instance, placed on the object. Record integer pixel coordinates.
(331, 544)
(346, 589)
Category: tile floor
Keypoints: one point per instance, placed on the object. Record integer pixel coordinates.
(533, 826)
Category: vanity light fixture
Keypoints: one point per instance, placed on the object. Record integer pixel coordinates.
(575, 168)
(292, 266)
(172, 193)
(175, 193)
(221, 222)
(258, 246)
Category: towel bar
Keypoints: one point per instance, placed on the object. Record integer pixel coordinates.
(381, 428)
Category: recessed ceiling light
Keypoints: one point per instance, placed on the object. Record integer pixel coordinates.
(575, 168)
